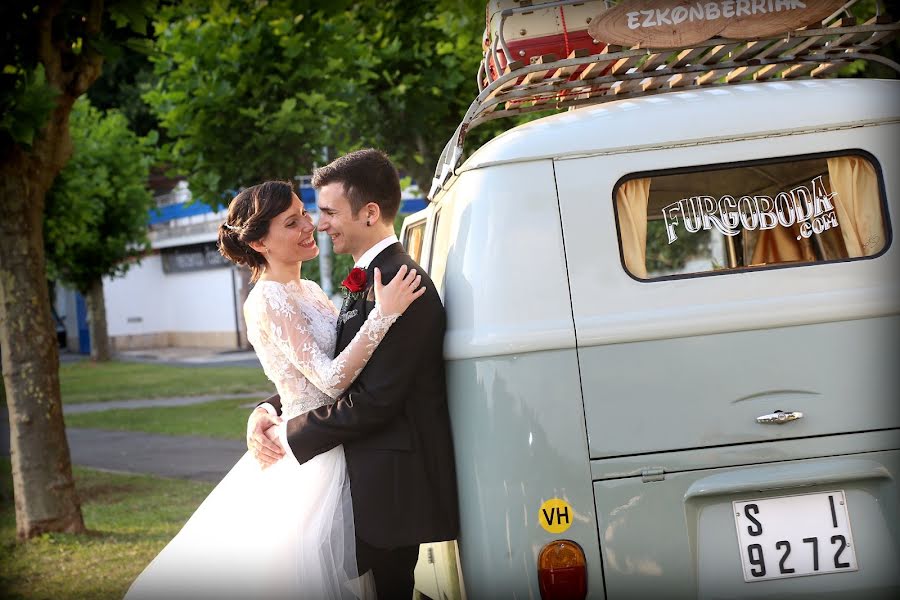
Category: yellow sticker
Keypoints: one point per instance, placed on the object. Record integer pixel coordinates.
(556, 515)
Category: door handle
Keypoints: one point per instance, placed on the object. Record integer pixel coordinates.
(779, 417)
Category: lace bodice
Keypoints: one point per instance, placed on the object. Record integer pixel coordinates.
(293, 330)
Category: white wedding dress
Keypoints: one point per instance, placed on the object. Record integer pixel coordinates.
(285, 531)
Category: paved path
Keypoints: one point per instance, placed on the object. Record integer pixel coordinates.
(183, 457)
(192, 357)
(179, 357)
(164, 455)
(89, 407)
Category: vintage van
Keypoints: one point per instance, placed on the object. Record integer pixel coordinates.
(673, 337)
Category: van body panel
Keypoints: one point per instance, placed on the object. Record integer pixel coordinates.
(744, 454)
(702, 391)
(519, 440)
(500, 265)
(696, 117)
(676, 538)
(811, 338)
(610, 306)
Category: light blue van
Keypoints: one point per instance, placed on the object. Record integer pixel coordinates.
(673, 345)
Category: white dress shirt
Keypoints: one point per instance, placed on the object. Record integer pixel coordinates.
(369, 255)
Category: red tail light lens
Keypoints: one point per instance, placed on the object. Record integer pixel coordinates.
(562, 571)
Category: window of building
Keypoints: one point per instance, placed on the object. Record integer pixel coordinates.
(720, 218)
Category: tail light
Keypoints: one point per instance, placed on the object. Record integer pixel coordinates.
(562, 571)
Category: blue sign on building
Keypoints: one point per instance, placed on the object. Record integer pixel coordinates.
(84, 332)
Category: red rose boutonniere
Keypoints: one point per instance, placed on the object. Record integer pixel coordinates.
(354, 283)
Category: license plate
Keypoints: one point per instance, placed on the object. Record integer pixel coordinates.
(793, 536)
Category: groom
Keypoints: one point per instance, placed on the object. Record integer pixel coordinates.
(393, 420)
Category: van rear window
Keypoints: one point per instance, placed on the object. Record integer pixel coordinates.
(721, 218)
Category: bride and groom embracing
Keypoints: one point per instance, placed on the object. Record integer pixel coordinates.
(350, 465)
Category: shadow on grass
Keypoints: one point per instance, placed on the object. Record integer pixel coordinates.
(130, 519)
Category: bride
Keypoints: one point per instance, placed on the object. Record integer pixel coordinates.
(284, 531)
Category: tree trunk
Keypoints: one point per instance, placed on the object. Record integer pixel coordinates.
(97, 314)
(39, 451)
(43, 485)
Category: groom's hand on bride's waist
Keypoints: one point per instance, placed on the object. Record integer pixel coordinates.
(262, 437)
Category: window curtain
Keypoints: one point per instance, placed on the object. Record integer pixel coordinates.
(631, 202)
(857, 204)
(780, 245)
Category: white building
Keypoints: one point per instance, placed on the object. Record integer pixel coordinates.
(184, 293)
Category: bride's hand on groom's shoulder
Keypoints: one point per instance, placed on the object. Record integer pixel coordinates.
(262, 437)
(395, 297)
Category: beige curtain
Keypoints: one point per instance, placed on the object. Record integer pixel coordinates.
(631, 203)
(780, 245)
(857, 204)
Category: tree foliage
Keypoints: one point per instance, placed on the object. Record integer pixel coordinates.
(413, 86)
(97, 210)
(126, 76)
(249, 91)
(863, 11)
(67, 37)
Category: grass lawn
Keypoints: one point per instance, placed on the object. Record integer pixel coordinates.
(225, 419)
(131, 518)
(85, 381)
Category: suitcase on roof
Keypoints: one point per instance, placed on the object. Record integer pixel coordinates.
(522, 31)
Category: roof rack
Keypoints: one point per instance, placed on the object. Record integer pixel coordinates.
(616, 73)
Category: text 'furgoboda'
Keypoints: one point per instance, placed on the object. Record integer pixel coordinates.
(809, 206)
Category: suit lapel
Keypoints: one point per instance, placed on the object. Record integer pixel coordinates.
(384, 259)
(347, 329)
(340, 324)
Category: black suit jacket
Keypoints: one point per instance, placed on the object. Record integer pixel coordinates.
(393, 422)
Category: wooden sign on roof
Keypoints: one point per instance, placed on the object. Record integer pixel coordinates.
(683, 23)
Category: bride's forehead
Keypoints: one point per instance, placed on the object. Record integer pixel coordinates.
(294, 210)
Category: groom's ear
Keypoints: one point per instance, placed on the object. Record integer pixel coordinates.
(372, 212)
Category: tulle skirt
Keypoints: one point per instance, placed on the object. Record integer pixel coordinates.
(281, 532)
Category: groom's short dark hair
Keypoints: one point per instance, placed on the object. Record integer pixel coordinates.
(368, 176)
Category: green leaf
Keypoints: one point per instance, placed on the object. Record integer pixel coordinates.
(96, 212)
(130, 13)
(288, 105)
(110, 49)
(29, 106)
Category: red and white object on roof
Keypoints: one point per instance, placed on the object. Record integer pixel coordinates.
(522, 31)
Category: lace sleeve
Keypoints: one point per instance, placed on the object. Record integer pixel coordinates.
(289, 329)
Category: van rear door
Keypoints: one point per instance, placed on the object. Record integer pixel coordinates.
(739, 388)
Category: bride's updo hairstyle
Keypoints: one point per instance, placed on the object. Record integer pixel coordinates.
(249, 216)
